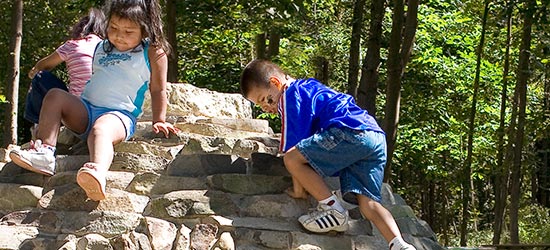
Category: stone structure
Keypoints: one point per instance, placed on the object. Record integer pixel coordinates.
(217, 184)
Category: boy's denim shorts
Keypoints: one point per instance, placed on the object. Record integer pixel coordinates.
(357, 157)
(94, 112)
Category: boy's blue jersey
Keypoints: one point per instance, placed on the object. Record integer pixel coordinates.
(308, 107)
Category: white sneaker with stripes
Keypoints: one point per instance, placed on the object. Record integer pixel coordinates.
(325, 219)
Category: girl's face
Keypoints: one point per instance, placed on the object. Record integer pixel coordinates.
(123, 33)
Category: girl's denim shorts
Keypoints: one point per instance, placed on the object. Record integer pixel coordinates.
(94, 112)
(357, 157)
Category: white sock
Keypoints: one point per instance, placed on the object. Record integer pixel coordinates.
(333, 202)
(397, 243)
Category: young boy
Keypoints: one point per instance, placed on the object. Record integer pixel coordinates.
(324, 133)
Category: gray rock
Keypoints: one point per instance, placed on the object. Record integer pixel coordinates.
(205, 164)
(249, 184)
(20, 196)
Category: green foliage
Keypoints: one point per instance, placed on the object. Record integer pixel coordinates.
(273, 119)
(216, 39)
(533, 224)
(533, 228)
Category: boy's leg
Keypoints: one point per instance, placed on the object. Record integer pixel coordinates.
(297, 191)
(379, 216)
(330, 215)
(384, 221)
(311, 181)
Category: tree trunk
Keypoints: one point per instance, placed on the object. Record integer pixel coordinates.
(355, 46)
(443, 193)
(467, 173)
(521, 86)
(260, 46)
(542, 174)
(172, 40)
(368, 84)
(12, 79)
(274, 43)
(401, 41)
(393, 87)
(502, 171)
(321, 69)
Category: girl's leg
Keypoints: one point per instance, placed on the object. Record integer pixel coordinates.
(40, 85)
(60, 107)
(107, 131)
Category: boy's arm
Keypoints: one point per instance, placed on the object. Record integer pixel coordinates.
(157, 88)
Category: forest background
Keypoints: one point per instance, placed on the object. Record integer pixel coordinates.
(461, 88)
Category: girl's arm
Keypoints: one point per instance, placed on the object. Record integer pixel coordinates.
(157, 87)
(47, 63)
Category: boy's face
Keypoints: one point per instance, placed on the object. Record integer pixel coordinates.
(267, 98)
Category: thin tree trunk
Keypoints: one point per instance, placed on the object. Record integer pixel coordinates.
(446, 227)
(12, 79)
(260, 46)
(321, 69)
(393, 87)
(467, 182)
(401, 41)
(444, 191)
(368, 84)
(502, 171)
(542, 189)
(510, 146)
(411, 23)
(274, 43)
(355, 46)
(171, 37)
(523, 78)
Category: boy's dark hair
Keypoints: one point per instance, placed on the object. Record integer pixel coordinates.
(92, 23)
(146, 13)
(256, 74)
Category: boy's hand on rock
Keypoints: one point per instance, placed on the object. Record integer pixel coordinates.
(165, 128)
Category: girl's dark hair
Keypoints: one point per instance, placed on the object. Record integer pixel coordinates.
(93, 23)
(146, 13)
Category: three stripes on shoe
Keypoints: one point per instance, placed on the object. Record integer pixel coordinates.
(323, 222)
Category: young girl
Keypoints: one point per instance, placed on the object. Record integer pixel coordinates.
(131, 60)
(77, 53)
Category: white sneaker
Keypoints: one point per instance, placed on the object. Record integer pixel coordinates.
(38, 158)
(400, 244)
(405, 247)
(409, 247)
(325, 219)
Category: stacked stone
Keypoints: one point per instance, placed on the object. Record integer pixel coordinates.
(217, 184)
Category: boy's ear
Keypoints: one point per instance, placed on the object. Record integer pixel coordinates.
(275, 81)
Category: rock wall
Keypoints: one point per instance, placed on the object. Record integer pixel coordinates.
(217, 184)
